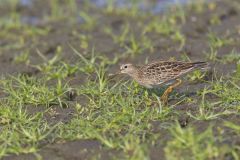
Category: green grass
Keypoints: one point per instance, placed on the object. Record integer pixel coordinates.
(187, 144)
(217, 42)
(32, 91)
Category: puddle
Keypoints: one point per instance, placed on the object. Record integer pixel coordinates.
(154, 6)
(31, 20)
(27, 3)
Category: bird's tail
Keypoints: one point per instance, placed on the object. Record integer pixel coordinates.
(201, 65)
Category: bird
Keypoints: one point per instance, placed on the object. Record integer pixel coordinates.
(157, 73)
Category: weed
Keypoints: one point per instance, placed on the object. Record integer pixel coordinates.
(234, 127)
(122, 37)
(187, 144)
(233, 56)
(206, 109)
(24, 132)
(217, 42)
(212, 54)
(215, 20)
(28, 90)
(56, 11)
(130, 10)
(197, 76)
(89, 21)
(179, 37)
(228, 92)
(22, 58)
(134, 47)
(162, 26)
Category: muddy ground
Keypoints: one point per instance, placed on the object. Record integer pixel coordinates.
(60, 33)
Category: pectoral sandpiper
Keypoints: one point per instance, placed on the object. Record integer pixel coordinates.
(161, 72)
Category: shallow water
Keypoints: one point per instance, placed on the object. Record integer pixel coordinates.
(26, 2)
(31, 20)
(154, 6)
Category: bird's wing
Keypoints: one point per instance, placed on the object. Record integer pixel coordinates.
(162, 71)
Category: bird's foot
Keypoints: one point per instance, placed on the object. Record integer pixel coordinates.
(164, 97)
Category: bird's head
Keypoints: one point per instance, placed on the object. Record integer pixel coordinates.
(128, 69)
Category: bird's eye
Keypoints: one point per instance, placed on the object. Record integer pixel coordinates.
(125, 66)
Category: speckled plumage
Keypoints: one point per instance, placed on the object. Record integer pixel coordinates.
(160, 72)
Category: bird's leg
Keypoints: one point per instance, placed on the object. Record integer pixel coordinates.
(164, 97)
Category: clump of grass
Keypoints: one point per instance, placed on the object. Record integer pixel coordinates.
(89, 21)
(120, 38)
(233, 56)
(22, 58)
(134, 47)
(188, 144)
(133, 44)
(217, 42)
(163, 26)
(237, 73)
(225, 103)
(212, 54)
(29, 90)
(197, 76)
(207, 109)
(166, 26)
(88, 65)
(60, 70)
(233, 126)
(215, 20)
(55, 9)
(197, 7)
(21, 132)
(131, 9)
(228, 92)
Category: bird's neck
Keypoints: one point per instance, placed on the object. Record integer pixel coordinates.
(135, 75)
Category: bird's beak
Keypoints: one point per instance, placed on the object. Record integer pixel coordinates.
(121, 69)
